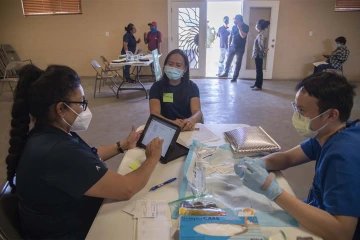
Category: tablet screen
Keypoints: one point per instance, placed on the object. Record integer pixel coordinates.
(163, 131)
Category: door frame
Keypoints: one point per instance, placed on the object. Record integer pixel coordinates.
(274, 5)
(200, 72)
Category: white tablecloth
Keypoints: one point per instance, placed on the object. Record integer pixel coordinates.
(112, 223)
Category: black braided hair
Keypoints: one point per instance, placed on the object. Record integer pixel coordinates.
(35, 95)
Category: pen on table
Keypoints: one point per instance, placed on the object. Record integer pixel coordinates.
(162, 184)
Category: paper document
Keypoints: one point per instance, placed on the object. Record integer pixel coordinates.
(202, 135)
(153, 229)
(145, 208)
(316, 64)
(130, 207)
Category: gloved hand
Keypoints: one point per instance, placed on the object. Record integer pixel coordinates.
(257, 161)
(259, 180)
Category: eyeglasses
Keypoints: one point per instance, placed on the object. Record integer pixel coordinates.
(82, 104)
(295, 107)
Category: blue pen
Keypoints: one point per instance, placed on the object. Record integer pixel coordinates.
(162, 184)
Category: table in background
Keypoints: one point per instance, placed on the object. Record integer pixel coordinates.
(137, 64)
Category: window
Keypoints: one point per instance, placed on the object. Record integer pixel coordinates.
(50, 7)
(347, 5)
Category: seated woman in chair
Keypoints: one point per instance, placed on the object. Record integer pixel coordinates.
(60, 180)
(175, 97)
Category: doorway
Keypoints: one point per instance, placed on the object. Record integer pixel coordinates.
(215, 55)
(194, 25)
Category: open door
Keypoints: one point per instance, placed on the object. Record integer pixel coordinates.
(254, 11)
(188, 33)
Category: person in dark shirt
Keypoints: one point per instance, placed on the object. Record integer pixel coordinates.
(237, 47)
(129, 44)
(60, 180)
(175, 97)
(223, 34)
(322, 109)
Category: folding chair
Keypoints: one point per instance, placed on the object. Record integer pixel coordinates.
(103, 76)
(12, 66)
(338, 70)
(9, 212)
(108, 67)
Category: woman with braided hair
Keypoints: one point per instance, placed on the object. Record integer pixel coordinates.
(60, 180)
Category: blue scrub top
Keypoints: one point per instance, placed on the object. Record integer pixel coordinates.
(336, 185)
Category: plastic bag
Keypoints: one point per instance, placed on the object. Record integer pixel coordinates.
(192, 203)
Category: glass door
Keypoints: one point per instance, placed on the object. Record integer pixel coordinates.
(188, 33)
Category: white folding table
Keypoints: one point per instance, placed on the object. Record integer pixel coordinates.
(112, 223)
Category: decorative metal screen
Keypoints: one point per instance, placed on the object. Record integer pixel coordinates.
(189, 28)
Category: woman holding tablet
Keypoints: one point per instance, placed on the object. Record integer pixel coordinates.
(60, 180)
(175, 97)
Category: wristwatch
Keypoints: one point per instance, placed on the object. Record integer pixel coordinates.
(120, 150)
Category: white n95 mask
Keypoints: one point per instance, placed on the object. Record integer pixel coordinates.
(303, 125)
(82, 120)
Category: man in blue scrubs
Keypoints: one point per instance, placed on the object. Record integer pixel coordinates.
(322, 108)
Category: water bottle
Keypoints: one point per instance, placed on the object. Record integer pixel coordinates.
(199, 177)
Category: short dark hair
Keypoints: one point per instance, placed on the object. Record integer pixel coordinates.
(35, 95)
(226, 17)
(332, 91)
(341, 40)
(239, 17)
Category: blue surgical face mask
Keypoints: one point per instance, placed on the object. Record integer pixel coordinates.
(153, 30)
(173, 73)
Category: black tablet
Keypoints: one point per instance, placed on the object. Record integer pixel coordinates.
(159, 127)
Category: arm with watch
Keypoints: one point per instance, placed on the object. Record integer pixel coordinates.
(122, 187)
(109, 151)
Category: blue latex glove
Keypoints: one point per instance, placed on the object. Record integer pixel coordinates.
(256, 161)
(259, 180)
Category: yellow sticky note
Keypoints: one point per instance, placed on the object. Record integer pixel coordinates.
(135, 165)
(168, 97)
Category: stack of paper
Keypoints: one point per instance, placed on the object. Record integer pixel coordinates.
(316, 64)
(153, 219)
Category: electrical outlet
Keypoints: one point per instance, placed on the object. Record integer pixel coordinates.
(107, 34)
(310, 33)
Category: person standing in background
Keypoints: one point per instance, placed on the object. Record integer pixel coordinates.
(153, 38)
(223, 34)
(259, 51)
(237, 47)
(129, 44)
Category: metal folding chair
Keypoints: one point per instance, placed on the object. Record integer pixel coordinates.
(11, 67)
(104, 77)
(338, 70)
(108, 67)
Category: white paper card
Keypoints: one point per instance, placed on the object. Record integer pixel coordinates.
(316, 64)
(203, 135)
